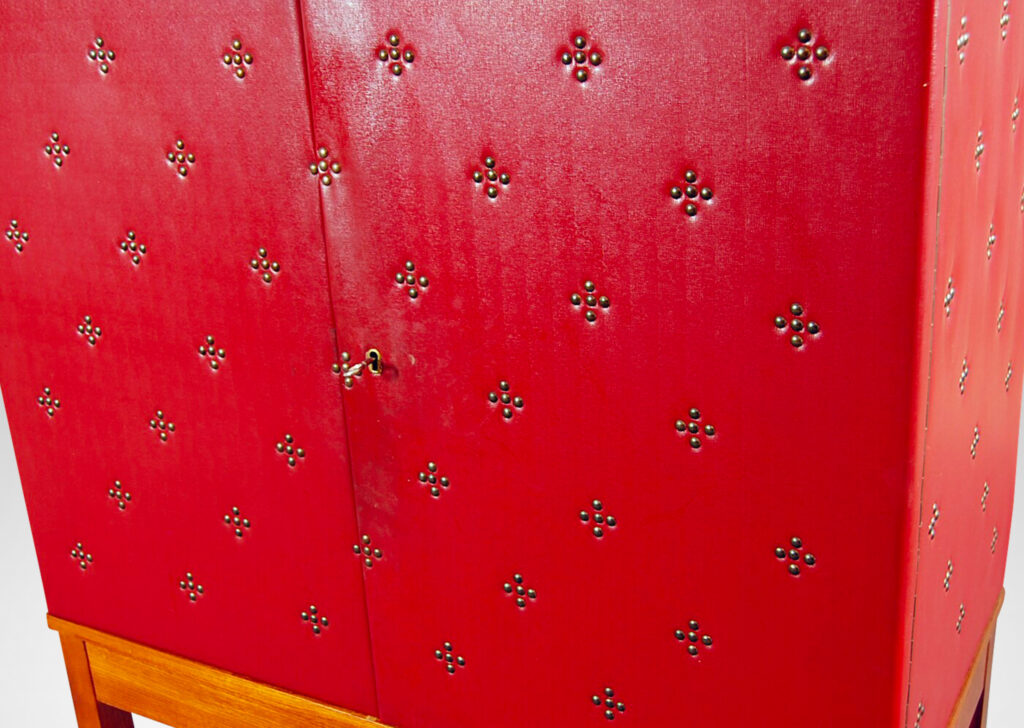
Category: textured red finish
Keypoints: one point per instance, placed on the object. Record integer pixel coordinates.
(795, 217)
(248, 188)
(815, 185)
(968, 384)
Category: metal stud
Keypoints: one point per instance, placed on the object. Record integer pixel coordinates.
(266, 268)
(804, 53)
(132, 248)
(591, 300)
(57, 151)
(693, 430)
(208, 350)
(48, 402)
(324, 167)
(693, 636)
(935, 518)
(691, 192)
(432, 480)
(161, 426)
(609, 707)
(16, 236)
(579, 59)
(962, 40)
(523, 595)
(316, 621)
(292, 452)
(416, 284)
(947, 302)
(120, 496)
(794, 555)
(599, 518)
(797, 325)
(181, 160)
(98, 54)
(368, 553)
(449, 659)
(237, 60)
(492, 175)
(506, 398)
(191, 587)
(90, 332)
(237, 522)
(397, 59)
(81, 556)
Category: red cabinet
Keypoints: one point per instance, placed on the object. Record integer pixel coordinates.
(691, 409)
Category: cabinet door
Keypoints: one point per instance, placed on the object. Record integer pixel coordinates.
(173, 203)
(570, 233)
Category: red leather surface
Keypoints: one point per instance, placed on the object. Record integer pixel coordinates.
(248, 188)
(816, 199)
(972, 373)
(695, 379)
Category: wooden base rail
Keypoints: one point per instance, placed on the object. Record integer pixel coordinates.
(111, 678)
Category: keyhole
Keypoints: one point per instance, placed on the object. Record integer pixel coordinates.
(373, 361)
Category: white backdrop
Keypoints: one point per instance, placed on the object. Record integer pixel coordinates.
(33, 685)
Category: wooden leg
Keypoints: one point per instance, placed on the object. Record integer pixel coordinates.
(982, 679)
(983, 707)
(971, 708)
(90, 712)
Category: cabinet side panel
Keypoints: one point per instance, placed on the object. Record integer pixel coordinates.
(971, 368)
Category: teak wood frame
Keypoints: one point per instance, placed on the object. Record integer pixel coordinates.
(111, 678)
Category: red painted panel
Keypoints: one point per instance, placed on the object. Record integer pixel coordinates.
(245, 187)
(815, 199)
